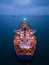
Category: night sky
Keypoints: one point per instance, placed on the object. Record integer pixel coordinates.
(24, 7)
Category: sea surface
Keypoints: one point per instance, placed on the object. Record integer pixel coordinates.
(8, 23)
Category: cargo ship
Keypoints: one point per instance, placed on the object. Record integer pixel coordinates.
(24, 41)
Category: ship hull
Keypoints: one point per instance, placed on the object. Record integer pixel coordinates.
(25, 42)
(24, 57)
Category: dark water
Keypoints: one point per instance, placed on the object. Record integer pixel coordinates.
(7, 26)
